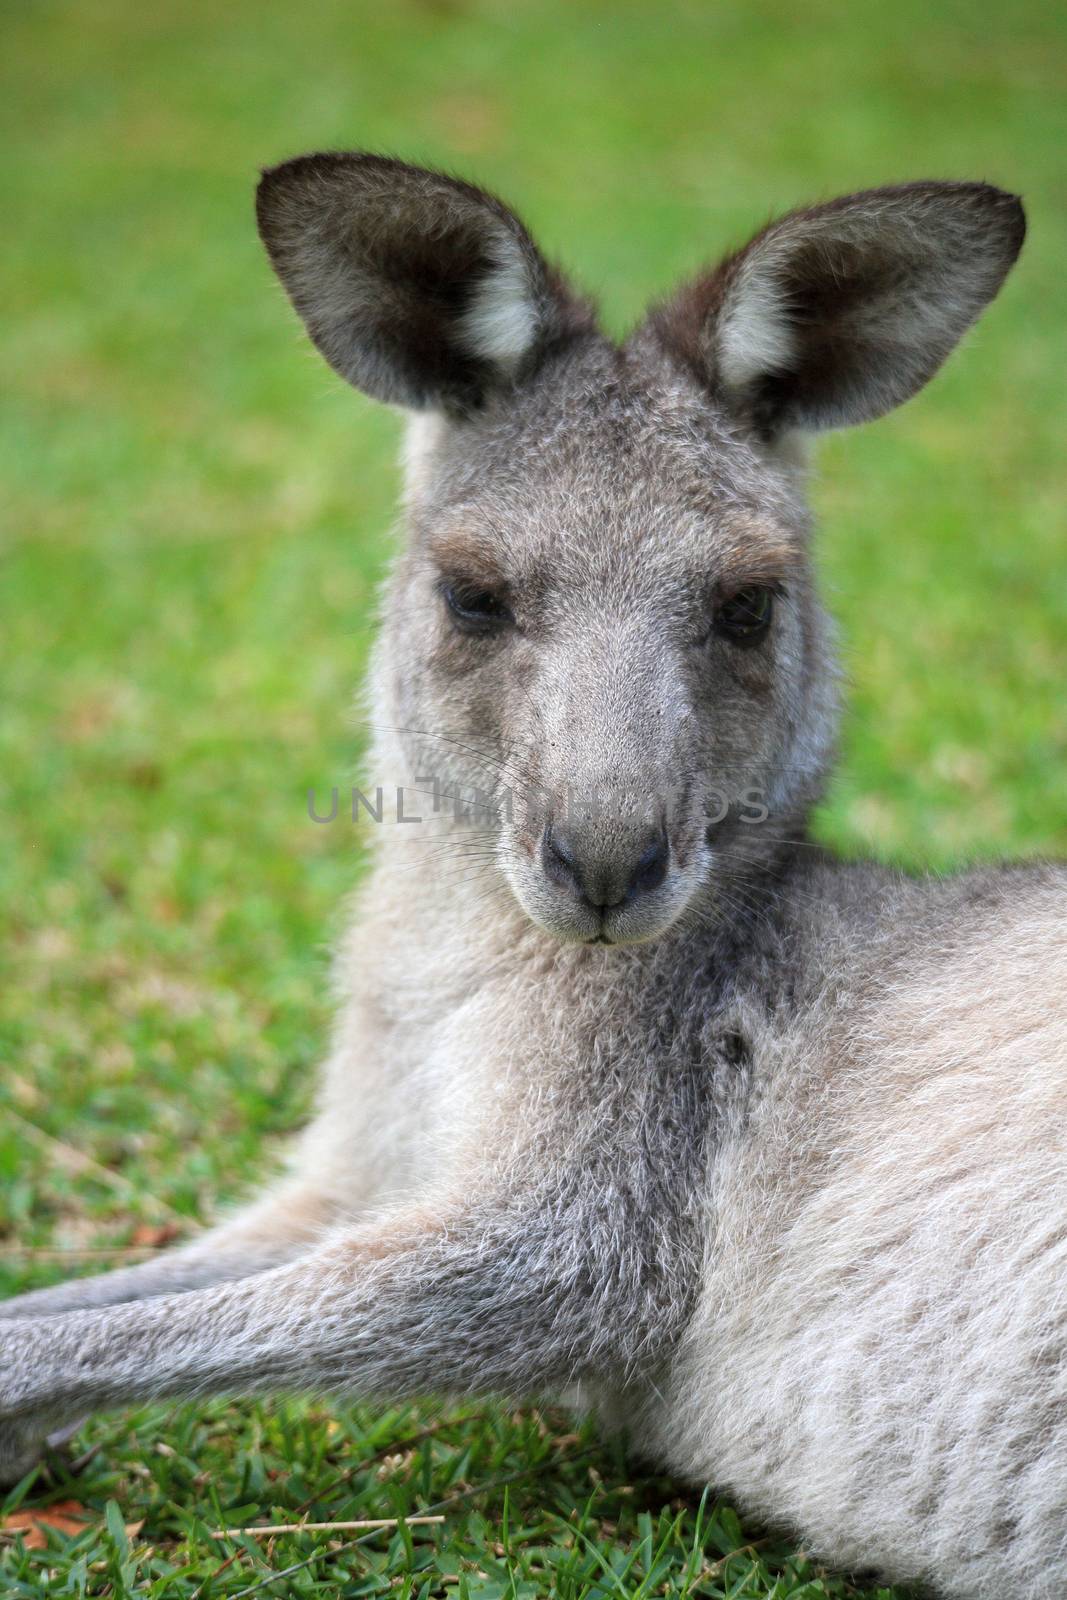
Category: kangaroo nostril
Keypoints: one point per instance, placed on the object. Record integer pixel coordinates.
(651, 868)
(559, 860)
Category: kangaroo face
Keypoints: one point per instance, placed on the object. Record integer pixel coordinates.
(605, 614)
(603, 624)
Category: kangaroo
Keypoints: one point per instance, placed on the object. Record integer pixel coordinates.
(636, 1095)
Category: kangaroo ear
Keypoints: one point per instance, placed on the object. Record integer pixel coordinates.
(417, 288)
(835, 315)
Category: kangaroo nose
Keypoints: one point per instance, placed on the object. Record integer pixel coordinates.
(604, 880)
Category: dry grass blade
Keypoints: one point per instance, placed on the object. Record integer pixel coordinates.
(321, 1527)
(76, 1162)
(76, 1254)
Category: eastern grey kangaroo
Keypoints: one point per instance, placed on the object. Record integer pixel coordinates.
(636, 1096)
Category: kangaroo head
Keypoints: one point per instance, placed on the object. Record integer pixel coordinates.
(604, 614)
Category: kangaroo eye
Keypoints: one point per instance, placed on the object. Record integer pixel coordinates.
(476, 610)
(745, 618)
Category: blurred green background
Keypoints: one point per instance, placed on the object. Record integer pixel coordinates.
(195, 513)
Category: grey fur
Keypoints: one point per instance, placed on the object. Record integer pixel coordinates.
(779, 1175)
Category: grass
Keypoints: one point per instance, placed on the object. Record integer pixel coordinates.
(195, 515)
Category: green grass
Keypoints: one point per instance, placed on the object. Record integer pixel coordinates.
(194, 517)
